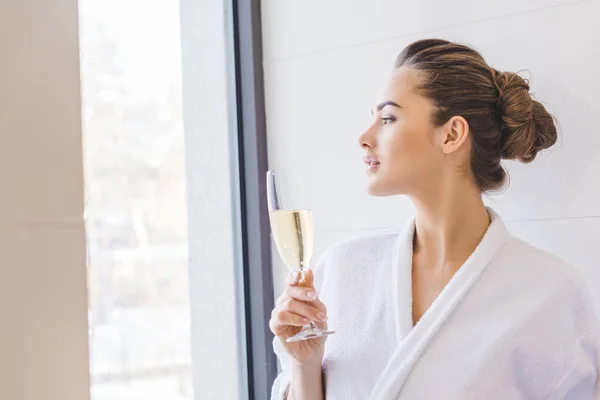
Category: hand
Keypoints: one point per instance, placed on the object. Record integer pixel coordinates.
(297, 306)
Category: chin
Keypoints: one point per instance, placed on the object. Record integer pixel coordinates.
(379, 190)
(379, 186)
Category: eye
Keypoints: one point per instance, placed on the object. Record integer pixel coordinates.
(387, 120)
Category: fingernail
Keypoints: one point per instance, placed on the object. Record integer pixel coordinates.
(311, 295)
(295, 276)
(321, 316)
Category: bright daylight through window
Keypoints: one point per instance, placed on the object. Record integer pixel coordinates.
(151, 285)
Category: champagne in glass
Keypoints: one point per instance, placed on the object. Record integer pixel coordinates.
(294, 237)
(293, 232)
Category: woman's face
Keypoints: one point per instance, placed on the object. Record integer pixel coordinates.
(403, 150)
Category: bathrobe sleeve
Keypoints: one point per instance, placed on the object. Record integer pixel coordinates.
(581, 379)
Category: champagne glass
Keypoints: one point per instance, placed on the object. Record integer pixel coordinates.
(293, 232)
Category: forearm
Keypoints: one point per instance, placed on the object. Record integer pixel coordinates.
(306, 383)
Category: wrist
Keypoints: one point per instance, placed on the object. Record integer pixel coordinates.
(308, 363)
(311, 364)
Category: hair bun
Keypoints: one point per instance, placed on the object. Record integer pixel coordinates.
(526, 126)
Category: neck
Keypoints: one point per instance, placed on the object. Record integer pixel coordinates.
(449, 224)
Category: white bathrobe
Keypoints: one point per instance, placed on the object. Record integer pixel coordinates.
(513, 323)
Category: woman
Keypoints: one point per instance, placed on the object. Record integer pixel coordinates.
(453, 306)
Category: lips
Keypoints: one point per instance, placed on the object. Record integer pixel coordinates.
(370, 160)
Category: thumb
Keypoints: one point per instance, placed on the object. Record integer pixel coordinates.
(306, 279)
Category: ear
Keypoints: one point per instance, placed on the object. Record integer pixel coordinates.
(456, 131)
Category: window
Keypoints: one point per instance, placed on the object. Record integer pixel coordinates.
(180, 284)
(135, 200)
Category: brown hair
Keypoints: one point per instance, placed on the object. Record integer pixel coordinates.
(504, 121)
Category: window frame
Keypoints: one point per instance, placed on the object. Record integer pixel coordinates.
(247, 141)
(248, 134)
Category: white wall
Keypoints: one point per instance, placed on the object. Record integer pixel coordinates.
(43, 325)
(325, 59)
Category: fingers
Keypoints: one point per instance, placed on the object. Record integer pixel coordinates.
(296, 313)
(298, 304)
(281, 318)
(305, 310)
(298, 308)
(319, 305)
(316, 303)
(298, 293)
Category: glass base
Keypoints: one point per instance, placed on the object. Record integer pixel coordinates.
(309, 332)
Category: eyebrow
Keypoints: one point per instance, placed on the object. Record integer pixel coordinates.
(385, 103)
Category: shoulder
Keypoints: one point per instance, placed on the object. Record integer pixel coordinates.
(551, 280)
(551, 318)
(372, 245)
(539, 263)
(353, 254)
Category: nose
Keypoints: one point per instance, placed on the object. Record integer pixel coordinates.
(367, 139)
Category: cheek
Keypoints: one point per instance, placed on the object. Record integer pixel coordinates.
(408, 158)
(407, 149)
(411, 160)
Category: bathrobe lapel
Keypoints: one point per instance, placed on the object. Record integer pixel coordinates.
(414, 340)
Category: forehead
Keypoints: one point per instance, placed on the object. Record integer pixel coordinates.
(400, 87)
